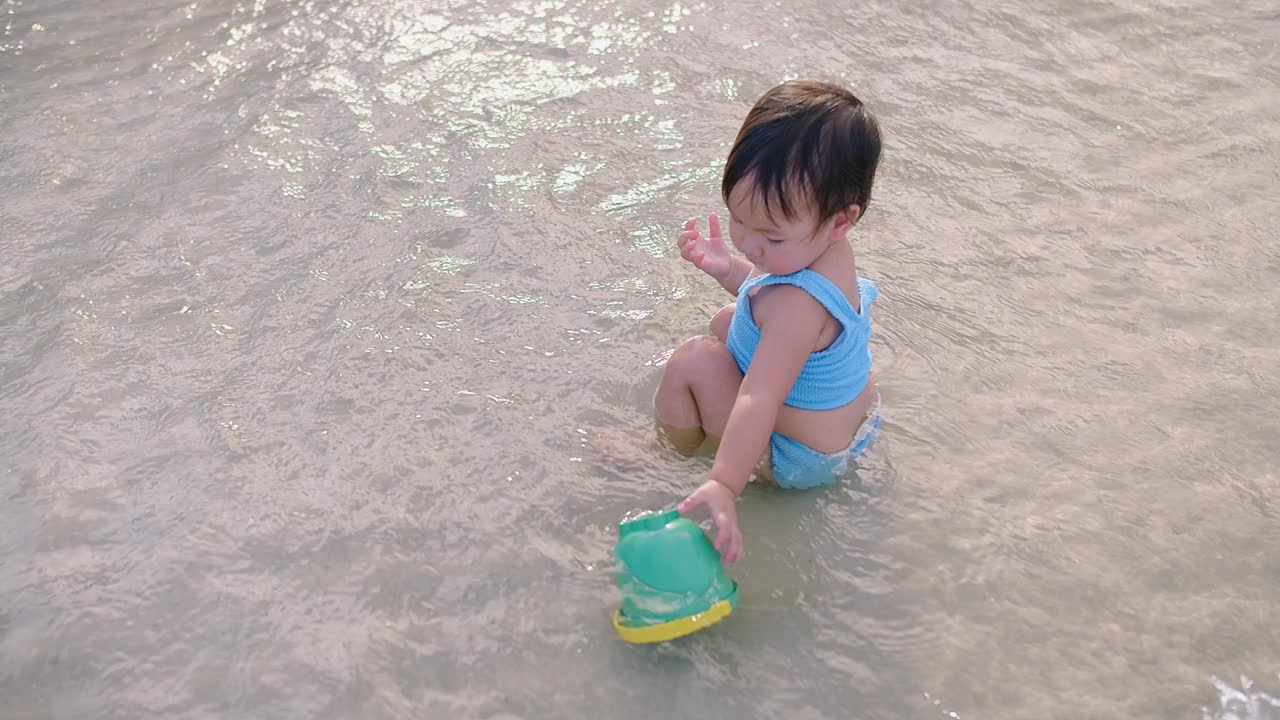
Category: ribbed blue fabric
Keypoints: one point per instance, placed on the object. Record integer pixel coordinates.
(831, 377)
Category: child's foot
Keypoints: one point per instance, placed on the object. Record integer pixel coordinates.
(620, 445)
(684, 441)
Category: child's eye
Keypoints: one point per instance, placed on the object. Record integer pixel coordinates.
(774, 241)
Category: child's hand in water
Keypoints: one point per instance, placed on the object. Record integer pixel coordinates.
(708, 253)
(718, 499)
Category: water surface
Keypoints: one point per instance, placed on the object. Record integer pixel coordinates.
(310, 312)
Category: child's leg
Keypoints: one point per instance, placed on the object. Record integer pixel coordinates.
(699, 386)
(720, 322)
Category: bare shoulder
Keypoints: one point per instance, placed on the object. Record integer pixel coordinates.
(788, 309)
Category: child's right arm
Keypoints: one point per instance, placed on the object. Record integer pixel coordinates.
(790, 323)
(710, 254)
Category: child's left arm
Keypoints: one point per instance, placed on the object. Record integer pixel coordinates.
(789, 328)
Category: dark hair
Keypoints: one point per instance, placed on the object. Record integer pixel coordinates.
(810, 137)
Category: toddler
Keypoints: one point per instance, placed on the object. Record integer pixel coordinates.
(784, 380)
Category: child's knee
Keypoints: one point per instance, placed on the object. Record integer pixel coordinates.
(701, 353)
(720, 322)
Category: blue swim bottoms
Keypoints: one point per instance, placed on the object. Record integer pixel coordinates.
(797, 466)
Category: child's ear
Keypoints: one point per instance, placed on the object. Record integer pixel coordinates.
(846, 219)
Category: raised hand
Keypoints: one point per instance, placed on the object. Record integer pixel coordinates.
(708, 252)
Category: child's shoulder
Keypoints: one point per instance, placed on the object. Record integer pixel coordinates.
(789, 308)
(796, 300)
(837, 295)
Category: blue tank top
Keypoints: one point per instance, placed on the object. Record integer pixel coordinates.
(831, 377)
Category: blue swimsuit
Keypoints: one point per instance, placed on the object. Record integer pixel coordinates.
(831, 377)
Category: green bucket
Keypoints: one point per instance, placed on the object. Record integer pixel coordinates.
(671, 579)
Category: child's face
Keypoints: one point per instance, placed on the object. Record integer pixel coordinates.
(777, 245)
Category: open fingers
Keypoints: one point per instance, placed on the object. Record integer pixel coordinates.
(737, 546)
(732, 549)
(713, 221)
(724, 539)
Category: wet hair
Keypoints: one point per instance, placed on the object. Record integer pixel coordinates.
(806, 139)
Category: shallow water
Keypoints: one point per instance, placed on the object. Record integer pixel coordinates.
(310, 312)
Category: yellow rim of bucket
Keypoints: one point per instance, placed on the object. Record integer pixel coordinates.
(673, 629)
